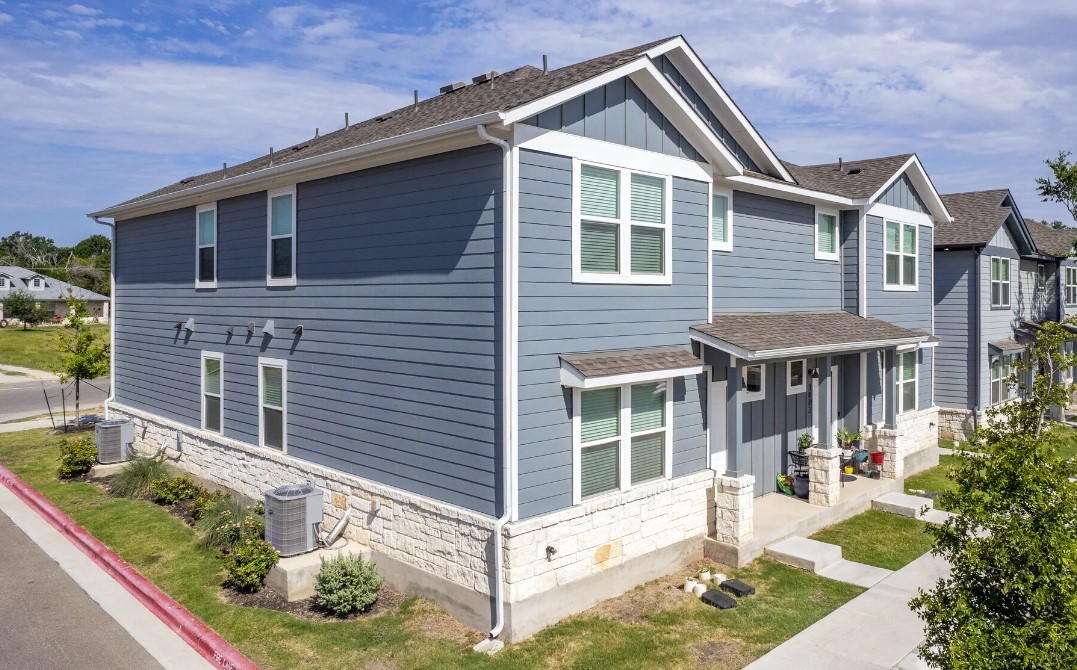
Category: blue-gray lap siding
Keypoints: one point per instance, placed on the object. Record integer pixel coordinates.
(395, 377)
(772, 267)
(557, 316)
(850, 261)
(996, 323)
(955, 317)
(618, 112)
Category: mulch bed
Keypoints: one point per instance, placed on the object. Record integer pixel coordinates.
(388, 601)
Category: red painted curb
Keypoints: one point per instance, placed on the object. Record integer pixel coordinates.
(198, 635)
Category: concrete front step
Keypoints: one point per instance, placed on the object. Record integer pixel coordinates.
(800, 552)
(851, 572)
(937, 516)
(903, 504)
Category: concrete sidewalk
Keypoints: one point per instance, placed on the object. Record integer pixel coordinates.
(874, 631)
(59, 609)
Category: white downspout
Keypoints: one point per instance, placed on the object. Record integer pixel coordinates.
(508, 351)
(111, 314)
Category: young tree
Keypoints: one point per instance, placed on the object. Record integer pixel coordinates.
(1063, 188)
(1010, 602)
(22, 305)
(84, 355)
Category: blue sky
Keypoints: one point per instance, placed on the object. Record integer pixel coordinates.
(101, 101)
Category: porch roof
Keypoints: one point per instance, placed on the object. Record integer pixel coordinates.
(767, 335)
(1006, 345)
(606, 368)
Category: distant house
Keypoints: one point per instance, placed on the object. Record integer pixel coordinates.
(48, 291)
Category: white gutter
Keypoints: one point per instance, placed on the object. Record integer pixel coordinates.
(111, 314)
(508, 352)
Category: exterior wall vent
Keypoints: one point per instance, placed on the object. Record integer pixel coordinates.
(455, 86)
(293, 517)
(113, 439)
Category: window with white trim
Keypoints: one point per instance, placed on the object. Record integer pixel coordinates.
(1000, 282)
(797, 376)
(273, 403)
(722, 221)
(1041, 277)
(3, 282)
(206, 242)
(623, 232)
(753, 382)
(900, 256)
(826, 236)
(906, 381)
(213, 391)
(1001, 369)
(280, 252)
(1071, 287)
(623, 437)
(37, 284)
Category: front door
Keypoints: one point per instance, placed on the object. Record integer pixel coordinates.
(716, 428)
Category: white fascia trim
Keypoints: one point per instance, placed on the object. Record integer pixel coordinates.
(680, 53)
(799, 193)
(800, 352)
(208, 207)
(572, 378)
(822, 255)
(298, 168)
(929, 344)
(899, 214)
(923, 183)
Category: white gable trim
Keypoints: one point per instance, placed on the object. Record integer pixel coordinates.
(787, 191)
(923, 186)
(898, 214)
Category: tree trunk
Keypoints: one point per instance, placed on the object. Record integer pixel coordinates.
(76, 403)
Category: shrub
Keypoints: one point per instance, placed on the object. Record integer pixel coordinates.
(347, 584)
(135, 479)
(204, 500)
(249, 563)
(171, 490)
(77, 456)
(228, 521)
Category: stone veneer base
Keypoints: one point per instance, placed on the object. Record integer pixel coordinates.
(956, 424)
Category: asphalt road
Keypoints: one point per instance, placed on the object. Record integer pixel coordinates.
(48, 621)
(23, 399)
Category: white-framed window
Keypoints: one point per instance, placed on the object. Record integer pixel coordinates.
(753, 382)
(1001, 368)
(900, 264)
(622, 436)
(280, 226)
(906, 381)
(273, 403)
(1041, 276)
(1000, 282)
(622, 233)
(3, 282)
(37, 284)
(213, 391)
(722, 220)
(797, 376)
(1071, 287)
(826, 235)
(206, 246)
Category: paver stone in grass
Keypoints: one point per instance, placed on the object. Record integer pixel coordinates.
(716, 598)
(738, 588)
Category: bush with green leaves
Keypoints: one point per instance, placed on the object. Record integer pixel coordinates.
(136, 478)
(226, 522)
(204, 500)
(173, 490)
(77, 456)
(249, 562)
(347, 584)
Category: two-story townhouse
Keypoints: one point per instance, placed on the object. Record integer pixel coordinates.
(498, 323)
(1058, 245)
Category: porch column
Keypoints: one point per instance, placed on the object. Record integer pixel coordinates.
(734, 438)
(889, 390)
(888, 439)
(823, 409)
(824, 476)
(734, 498)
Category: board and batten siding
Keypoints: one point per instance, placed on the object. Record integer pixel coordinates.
(903, 194)
(955, 314)
(395, 377)
(772, 267)
(770, 426)
(618, 112)
(996, 323)
(850, 260)
(557, 316)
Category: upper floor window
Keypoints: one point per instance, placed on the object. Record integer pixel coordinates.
(1000, 282)
(3, 282)
(623, 232)
(1001, 367)
(901, 246)
(722, 222)
(1071, 286)
(906, 382)
(280, 252)
(37, 284)
(206, 256)
(826, 236)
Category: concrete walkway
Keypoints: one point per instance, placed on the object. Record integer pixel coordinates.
(17, 374)
(874, 631)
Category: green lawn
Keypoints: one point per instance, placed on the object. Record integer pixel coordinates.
(933, 480)
(36, 347)
(650, 627)
(879, 538)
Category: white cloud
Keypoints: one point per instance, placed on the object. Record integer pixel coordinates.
(83, 10)
(6, 18)
(214, 25)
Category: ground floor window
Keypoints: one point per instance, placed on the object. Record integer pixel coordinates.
(1001, 367)
(273, 403)
(753, 382)
(212, 391)
(906, 382)
(623, 437)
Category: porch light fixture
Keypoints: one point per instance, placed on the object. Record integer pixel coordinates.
(814, 373)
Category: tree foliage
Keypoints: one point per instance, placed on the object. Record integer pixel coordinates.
(1010, 602)
(1063, 188)
(22, 305)
(85, 265)
(85, 354)
(26, 250)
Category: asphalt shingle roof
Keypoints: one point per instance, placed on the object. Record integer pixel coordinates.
(855, 179)
(762, 332)
(607, 363)
(502, 93)
(977, 216)
(1052, 241)
(54, 288)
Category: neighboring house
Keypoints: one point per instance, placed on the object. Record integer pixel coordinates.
(499, 325)
(52, 293)
(1058, 244)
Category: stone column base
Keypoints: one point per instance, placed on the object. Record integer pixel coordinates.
(734, 498)
(824, 476)
(887, 440)
(956, 424)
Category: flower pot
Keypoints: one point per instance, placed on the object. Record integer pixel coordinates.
(848, 469)
(690, 584)
(800, 486)
(699, 589)
(846, 453)
(877, 457)
(718, 579)
(704, 575)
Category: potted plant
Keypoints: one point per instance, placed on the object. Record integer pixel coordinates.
(704, 575)
(805, 441)
(689, 584)
(800, 473)
(849, 441)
